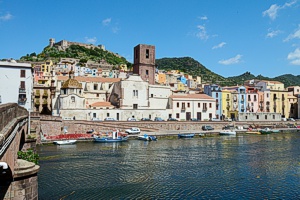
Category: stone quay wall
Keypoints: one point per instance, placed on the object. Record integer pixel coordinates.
(53, 126)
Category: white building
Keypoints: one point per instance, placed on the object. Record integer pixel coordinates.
(187, 106)
(16, 83)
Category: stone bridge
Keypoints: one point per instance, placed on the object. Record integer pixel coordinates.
(18, 178)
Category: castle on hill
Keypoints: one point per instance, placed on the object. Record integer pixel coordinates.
(64, 44)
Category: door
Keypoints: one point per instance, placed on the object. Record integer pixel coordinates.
(199, 116)
(187, 116)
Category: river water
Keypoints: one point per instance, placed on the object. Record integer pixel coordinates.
(220, 167)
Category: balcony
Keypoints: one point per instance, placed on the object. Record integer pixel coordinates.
(261, 101)
(22, 90)
(37, 93)
(37, 102)
(45, 102)
(227, 99)
(45, 94)
(255, 99)
(22, 101)
(242, 100)
(227, 107)
(204, 109)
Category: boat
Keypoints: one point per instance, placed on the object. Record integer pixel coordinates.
(227, 132)
(64, 142)
(146, 137)
(253, 132)
(201, 134)
(190, 135)
(275, 131)
(266, 131)
(115, 136)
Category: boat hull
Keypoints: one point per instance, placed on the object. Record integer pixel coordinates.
(65, 142)
(147, 138)
(227, 133)
(186, 135)
(109, 139)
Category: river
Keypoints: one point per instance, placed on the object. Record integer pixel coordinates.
(220, 167)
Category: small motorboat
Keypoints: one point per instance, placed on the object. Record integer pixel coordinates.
(115, 136)
(146, 137)
(201, 134)
(64, 142)
(227, 132)
(190, 135)
(266, 131)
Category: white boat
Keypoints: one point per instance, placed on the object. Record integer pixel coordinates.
(227, 132)
(146, 137)
(64, 142)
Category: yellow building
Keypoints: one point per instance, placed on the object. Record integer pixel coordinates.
(180, 86)
(227, 102)
(274, 85)
(279, 102)
(47, 66)
(162, 78)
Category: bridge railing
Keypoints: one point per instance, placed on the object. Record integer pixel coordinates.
(9, 112)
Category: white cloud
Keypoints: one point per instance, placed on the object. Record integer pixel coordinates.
(294, 57)
(296, 34)
(106, 22)
(219, 45)
(273, 10)
(230, 61)
(272, 33)
(115, 29)
(202, 32)
(204, 18)
(90, 40)
(6, 17)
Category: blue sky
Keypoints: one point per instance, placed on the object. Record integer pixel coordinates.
(228, 37)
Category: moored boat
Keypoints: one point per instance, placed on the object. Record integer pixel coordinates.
(64, 142)
(266, 131)
(146, 137)
(227, 132)
(190, 135)
(115, 136)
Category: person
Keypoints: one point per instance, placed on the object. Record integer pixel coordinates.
(74, 118)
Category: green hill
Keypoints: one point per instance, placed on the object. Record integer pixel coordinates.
(75, 51)
(193, 67)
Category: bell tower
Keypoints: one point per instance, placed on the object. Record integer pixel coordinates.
(144, 62)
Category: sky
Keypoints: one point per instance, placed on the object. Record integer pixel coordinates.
(227, 37)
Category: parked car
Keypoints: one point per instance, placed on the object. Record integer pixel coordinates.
(172, 119)
(228, 119)
(291, 119)
(110, 119)
(194, 119)
(146, 119)
(132, 119)
(96, 119)
(207, 128)
(133, 130)
(158, 119)
(214, 119)
(283, 119)
(228, 127)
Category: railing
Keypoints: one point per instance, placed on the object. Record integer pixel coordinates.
(204, 109)
(22, 90)
(45, 102)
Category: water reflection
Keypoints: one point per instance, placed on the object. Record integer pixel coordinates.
(242, 167)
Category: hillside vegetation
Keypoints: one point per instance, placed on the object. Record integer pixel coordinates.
(193, 67)
(75, 51)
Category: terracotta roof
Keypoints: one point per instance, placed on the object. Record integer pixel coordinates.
(191, 96)
(72, 83)
(101, 104)
(90, 79)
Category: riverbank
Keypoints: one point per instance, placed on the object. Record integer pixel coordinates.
(159, 134)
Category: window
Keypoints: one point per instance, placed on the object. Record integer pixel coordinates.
(204, 106)
(177, 105)
(267, 95)
(95, 86)
(147, 72)
(22, 84)
(266, 116)
(94, 115)
(177, 115)
(210, 115)
(135, 106)
(107, 114)
(217, 95)
(246, 117)
(188, 105)
(72, 99)
(257, 116)
(249, 98)
(147, 53)
(22, 75)
(183, 106)
(198, 105)
(273, 116)
(151, 95)
(209, 105)
(135, 93)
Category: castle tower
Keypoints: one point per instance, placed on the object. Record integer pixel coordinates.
(51, 42)
(144, 62)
